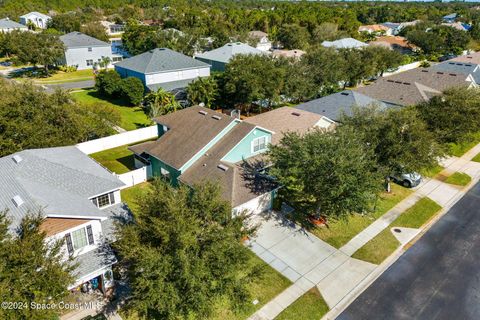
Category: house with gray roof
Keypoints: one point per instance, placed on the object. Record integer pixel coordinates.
(78, 198)
(466, 68)
(7, 25)
(163, 68)
(37, 19)
(345, 43)
(335, 105)
(219, 57)
(86, 52)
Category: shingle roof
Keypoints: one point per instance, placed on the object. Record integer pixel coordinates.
(332, 106)
(188, 132)
(466, 68)
(160, 60)
(227, 52)
(257, 34)
(77, 40)
(413, 86)
(9, 24)
(36, 13)
(170, 86)
(469, 58)
(345, 43)
(94, 260)
(287, 119)
(59, 180)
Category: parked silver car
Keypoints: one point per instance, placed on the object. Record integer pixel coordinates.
(408, 180)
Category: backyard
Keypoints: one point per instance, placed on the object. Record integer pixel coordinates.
(132, 195)
(131, 117)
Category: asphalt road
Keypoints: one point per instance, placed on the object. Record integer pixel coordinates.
(437, 278)
(71, 85)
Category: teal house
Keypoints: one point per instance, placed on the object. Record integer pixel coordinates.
(198, 144)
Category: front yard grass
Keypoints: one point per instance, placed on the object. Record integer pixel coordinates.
(385, 243)
(131, 117)
(459, 179)
(268, 285)
(310, 306)
(459, 149)
(131, 196)
(476, 158)
(62, 77)
(343, 230)
(431, 172)
(119, 160)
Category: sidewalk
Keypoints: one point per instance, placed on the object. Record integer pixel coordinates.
(340, 278)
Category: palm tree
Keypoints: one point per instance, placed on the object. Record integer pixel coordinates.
(160, 102)
(203, 90)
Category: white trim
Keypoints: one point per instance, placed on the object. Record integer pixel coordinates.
(113, 190)
(77, 217)
(252, 145)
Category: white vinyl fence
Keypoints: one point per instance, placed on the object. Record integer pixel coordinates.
(118, 140)
(403, 68)
(136, 176)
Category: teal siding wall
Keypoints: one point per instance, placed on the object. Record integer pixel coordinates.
(215, 65)
(208, 146)
(244, 149)
(157, 165)
(160, 130)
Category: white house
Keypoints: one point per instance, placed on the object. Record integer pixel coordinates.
(78, 199)
(85, 52)
(261, 40)
(39, 20)
(218, 58)
(7, 25)
(163, 68)
(345, 43)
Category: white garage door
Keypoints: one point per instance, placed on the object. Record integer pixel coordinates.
(255, 206)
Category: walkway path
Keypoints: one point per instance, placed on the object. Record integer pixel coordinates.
(308, 261)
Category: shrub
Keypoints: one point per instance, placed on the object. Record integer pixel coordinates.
(108, 82)
(132, 89)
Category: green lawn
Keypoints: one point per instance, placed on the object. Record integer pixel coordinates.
(268, 285)
(131, 117)
(342, 231)
(132, 195)
(476, 158)
(62, 77)
(310, 306)
(459, 149)
(459, 179)
(118, 160)
(385, 243)
(431, 172)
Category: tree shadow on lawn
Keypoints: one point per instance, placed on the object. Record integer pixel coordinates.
(127, 161)
(117, 101)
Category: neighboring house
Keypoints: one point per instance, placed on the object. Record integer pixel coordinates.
(198, 144)
(450, 18)
(219, 57)
(163, 68)
(345, 43)
(296, 53)
(7, 25)
(458, 25)
(377, 29)
(86, 52)
(468, 58)
(396, 43)
(39, 20)
(396, 27)
(335, 105)
(79, 199)
(261, 40)
(414, 86)
(114, 32)
(465, 68)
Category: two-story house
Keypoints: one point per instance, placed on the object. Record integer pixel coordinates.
(218, 58)
(198, 144)
(36, 19)
(79, 200)
(261, 40)
(163, 68)
(85, 52)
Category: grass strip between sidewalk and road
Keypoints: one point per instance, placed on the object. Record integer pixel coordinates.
(385, 243)
(310, 306)
(459, 179)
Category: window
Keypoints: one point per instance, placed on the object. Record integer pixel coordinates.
(259, 144)
(90, 49)
(79, 238)
(104, 200)
(90, 62)
(116, 59)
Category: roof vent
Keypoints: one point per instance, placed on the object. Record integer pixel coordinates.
(17, 200)
(451, 63)
(424, 70)
(296, 114)
(453, 74)
(439, 72)
(469, 57)
(222, 167)
(468, 65)
(459, 64)
(390, 81)
(17, 158)
(344, 93)
(398, 81)
(216, 117)
(407, 83)
(203, 112)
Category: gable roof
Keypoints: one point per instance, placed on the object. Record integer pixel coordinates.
(59, 180)
(257, 34)
(6, 23)
(332, 106)
(392, 42)
(465, 68)
(287, 119)
(373, 27)
(160, 60)
(413, 86)
(469, 58)
(450, 16)
(345, 43)
(78, 40)
(35, 13)
(188, 132)
(227, 52)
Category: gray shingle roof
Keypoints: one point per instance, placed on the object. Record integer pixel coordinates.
(170, 86)
(9, 24)
(160, 60)
(36, 13)
(332, 106)
(59, 180)
(459, 67)
(94, 260)
(345, 43)
(79, 40)
(225, 53)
